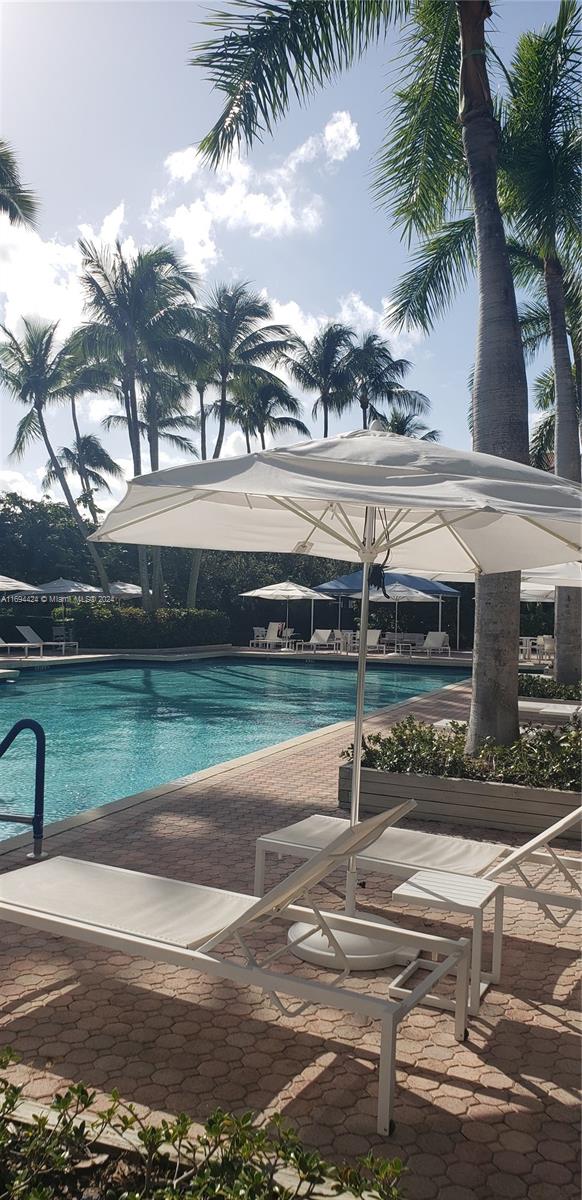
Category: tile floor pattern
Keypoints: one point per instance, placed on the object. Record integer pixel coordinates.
(495, 1117)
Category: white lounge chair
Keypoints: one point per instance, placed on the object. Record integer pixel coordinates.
(185, 924)
(373, 643)
(435, 642)
(271, 638)
(34, 639)
(24, 647)
(259, 633)
(321, 639)
(402, 852)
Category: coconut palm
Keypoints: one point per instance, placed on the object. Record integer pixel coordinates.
(542, 441)
(377, 378)
(138, 307)
(259, 408)
(261, 57)
(39, 374)
(242, 336)
(323, 366)
(406, 423)
(17, 201)
(88, 459)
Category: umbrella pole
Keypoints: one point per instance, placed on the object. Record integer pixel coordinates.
(458, 622)
(351, 880)
(312, 605)
(440, 604)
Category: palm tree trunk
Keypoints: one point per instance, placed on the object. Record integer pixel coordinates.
(84, 478)
(262, 437)
(222, 418)
(201, 389)
(60, 474)
(500, 388)
(568, 607)
(157, 565)
(134, 441)
(247, 441)
(325, 417)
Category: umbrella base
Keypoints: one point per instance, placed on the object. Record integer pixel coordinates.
(363, 951)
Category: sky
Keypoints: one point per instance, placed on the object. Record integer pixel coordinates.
(103, 110)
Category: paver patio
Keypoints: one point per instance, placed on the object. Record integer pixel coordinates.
(495, 1117)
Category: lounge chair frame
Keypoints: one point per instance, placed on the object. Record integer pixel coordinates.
(449, 956)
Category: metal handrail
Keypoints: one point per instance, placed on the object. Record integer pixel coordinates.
(37, 819)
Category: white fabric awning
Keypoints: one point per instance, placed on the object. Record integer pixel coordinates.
(436, 508)
(286, 591)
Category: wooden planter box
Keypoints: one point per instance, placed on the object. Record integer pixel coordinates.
(468, 802)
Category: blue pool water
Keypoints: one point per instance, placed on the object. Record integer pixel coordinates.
(115, 730)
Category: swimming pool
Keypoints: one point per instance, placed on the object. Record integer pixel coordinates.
(117, 729)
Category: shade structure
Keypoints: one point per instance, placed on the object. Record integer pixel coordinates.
(366, 496)
(538, 593)
(287, 590)
(399, 588)
(563, 575)
(68, 587)
(124, 589)
(16, 585)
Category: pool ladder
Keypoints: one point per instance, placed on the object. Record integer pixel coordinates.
(37, 819)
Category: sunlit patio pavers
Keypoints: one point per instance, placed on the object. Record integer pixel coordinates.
(497, 1116)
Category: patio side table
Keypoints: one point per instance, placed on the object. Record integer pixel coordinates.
(462, 893)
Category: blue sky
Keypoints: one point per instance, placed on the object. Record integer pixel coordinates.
(102, 108)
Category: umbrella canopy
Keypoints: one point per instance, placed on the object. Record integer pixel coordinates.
(285, 591)
(124, 589)
(398, 586)
(563, 575)
(540, 593)
(15, 585)
(436, 508)
(68, 587)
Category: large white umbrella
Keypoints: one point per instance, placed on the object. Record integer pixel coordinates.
(287, 590)
(567, 574)
(366, 496)
(124, 589)
(15, 585)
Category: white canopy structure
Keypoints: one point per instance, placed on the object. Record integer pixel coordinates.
(286, 591)
(68, 587)
(367, 496)
(15, 585)
(124, 589)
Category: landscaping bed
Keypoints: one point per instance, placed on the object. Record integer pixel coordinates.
(523, 787)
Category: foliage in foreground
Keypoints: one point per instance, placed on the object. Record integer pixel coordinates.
(545, 688)
(543, 758)
(68, 1157)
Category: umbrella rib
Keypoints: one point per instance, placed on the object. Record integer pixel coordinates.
(315, 522)
(536, 525)
(160, 511)
(411, 534)
(456, 535)
(343, 516)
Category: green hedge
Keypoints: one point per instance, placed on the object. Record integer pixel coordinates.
(546, 688)
(235, 1158)
(544, 758)
(115, 627)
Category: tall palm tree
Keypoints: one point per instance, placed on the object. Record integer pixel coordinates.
(88, 459)
(543, 438)
(261, 57)
(539, 190)
(40, 374)
(16, 200)
(324, 366)
(260, 408)
(243, 337)
(377, 378)
(406, 423)
(137, 308)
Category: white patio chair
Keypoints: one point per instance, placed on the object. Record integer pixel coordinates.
(403, 852)
(34, 639)
(184, 924)
(435, 642)
(258, 638)
(321, 639)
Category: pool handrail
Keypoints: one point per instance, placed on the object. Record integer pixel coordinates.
(37, 819)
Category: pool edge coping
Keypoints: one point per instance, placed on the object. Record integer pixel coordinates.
(55, 828)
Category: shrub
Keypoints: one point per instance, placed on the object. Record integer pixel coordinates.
(543, 758)
(69, 1156)
(113, 626)
(546, 688)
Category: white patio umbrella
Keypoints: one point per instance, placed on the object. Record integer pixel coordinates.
(287, 591)
(367, 496)
(16, 585)
(539, 593)
(124, 589)
(68, 587)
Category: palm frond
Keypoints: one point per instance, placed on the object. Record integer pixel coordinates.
(441, 267)
(28, 431)
(16, 200)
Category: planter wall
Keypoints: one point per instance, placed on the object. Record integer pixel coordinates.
(468, 802)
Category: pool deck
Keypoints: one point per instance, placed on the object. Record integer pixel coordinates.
(494, 1117)
(193, 653)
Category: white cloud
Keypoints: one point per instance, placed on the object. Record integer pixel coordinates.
(183, 164)
(340, 137)
(110, 230)
(192, 225)
(16, 481)
(95, 408)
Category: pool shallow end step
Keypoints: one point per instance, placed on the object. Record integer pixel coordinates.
(8, 676)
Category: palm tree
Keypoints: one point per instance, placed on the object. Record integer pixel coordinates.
(39, 374)
(242, 338)
(260, 60)
(138, 308)
(376, 377)
(406, 423)
(88, 459)
(324, 366)
(539, 189)
(16, 200)
(542, 442)
(260, 408)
